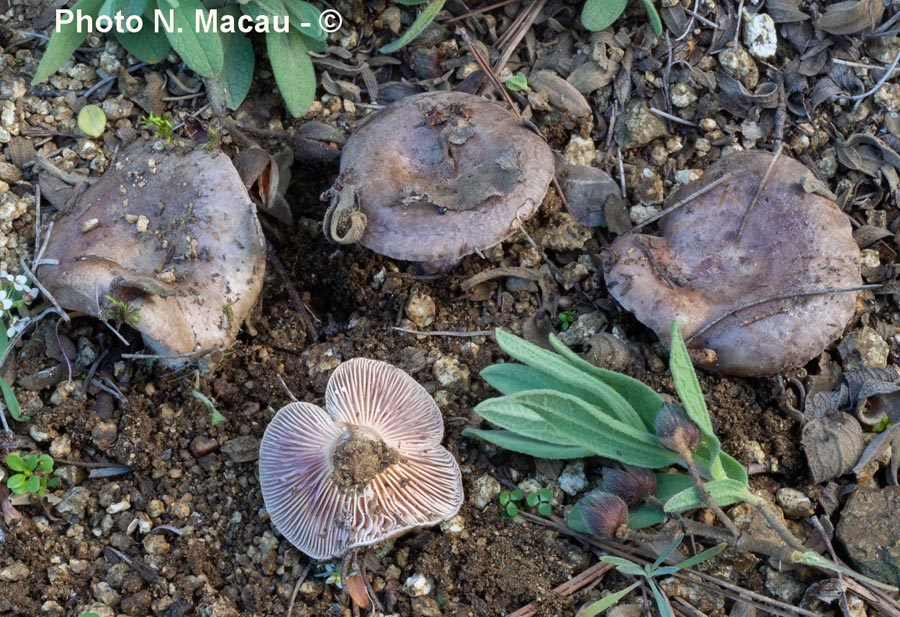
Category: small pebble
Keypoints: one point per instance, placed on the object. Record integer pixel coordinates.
(572, 480)
(485, 490)
(417, 585)
(420, 309)
(760, 35)
(794, 503)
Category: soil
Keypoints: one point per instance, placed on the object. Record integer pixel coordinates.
(183, 530)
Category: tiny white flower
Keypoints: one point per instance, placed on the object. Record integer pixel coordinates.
(6, 275)
(31, 295)
(6, 302)
(15, 326)
(20, 282)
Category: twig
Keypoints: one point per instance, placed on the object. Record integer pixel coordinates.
(300, 580)
(479, 11)
(621, 167)
(759, 190)
(790, 296)
(887, 75)
(486, 68)
(681, 202)
(690, 25)
(568, 588)
(62, 313)
(701, 19)
(293, 294)
(444, 332)
(707, 581)
(154, 356)
(812, 520)
(521, 30)
(669, 116)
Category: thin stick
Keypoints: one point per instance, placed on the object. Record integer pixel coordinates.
(681, 203)
(701, 19)
(301, 309)
(479, 11)
(300, 580)
(812, 520)
(759, 190)
(790, 296)
(669, 116)
(521, 30)
(887, 75)
(444, 332)
(37, 283)
(486, 68)
(569, 587)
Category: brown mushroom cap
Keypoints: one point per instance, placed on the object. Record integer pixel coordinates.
(444, 152)
(166, 230)
(697, 271)
(369, 468)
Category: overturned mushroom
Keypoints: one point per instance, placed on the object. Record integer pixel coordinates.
(438, 176)
(171, 235)
(762, 300)
(367, 468)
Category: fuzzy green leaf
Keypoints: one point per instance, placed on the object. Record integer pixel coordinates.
(510, 413)
(525, 445)
(64, 42)
(511, 378)
(640, 396)
(687, 385)
(600, 14)
(425, 17)
(723, 492)
(583, 425)
(583, 384)
(15, 462)
(200, 49)
(595, 608)
(147, 45)
(237, 72)
(293, 69)
(625, 566)
(304, 13)
(733, 469)
(517, 83)
(653, 17)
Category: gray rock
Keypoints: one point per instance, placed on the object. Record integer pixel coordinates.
(244, 449)
(74, 502)
(587, 189)
(740, 65)
(14, 572)
(638, 126)
(863, 348)
(869, 530)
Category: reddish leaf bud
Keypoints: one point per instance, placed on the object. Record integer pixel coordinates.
(605, 515)
(632, 484)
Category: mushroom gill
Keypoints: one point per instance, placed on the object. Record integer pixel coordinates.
(367, 468)
(762, 301)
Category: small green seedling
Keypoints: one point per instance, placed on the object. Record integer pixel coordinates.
(509, 499)
(122, 312)
(541, 501)
(648, 573)
(517, 82)
(566, 319)
(33, 474)
(91, 614)
(215, 416)
(161, 125)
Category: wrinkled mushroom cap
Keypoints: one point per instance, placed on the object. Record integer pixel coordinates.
(303, 475)
(697, 271)
(445, 152)
(170, 231)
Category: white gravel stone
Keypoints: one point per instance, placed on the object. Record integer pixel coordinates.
(486, 489)
(572, 479)
(417, 585)
(760, 36)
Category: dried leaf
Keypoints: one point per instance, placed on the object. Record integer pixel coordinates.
(785, 11)
(877, 446)
(867, 235)
(832, 445)
(851, 17)
(560, 93)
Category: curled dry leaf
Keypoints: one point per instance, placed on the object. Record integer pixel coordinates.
(761, 302)
(832, 444)
(168, 231)
(851, 17)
